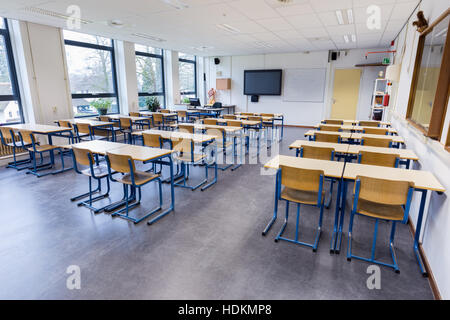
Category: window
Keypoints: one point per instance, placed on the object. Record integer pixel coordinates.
(430, 86)
(150, 75)
(92, 74)
(10, 105)
(188, 75)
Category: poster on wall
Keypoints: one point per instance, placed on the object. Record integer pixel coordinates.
(304, 85)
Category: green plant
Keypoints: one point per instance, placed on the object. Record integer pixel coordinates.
(102, 105)
(186, 100)
(152, 103)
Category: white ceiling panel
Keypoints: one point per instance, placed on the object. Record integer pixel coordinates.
(304, 20)
(275, 24)
(295, 10)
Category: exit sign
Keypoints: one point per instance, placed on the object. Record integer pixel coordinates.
(386, 61)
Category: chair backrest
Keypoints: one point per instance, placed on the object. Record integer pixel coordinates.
(326, 137)
(83, 157)
(210, 121)
(331, 121)
(301, 179)
(164, 110)
(182, 145)
(255, 118)
(157, 118)
(375, 142)
(64, 124)
(152, 140)
(186, 128)
(234, 123)
(84, 128)
(324, 127)
(120, 162)
(182, 114)
(317, 153)
(27, 137)
(125, 123)
(229, 116)
(378, 159)
(380, 131)
(267, 115)
(105, 118)
(247, 113)
(134, 114)
(217, 105)
(383, 191)
(369, 124)
(219, 133)
(5, 134)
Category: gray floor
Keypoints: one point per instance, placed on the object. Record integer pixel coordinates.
(210, 248)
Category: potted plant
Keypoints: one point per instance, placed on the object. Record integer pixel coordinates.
(186, 101)
(102, 106)
(152, 103)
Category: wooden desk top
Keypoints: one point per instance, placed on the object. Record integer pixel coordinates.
(198, 138)
(345, 135)
(263, 118)
(96, 146)
(330, 168)
(360, 136)
(38, 128)
(200, 126)
(90, 121)
(338, 147)
(359, 128)
(356, 122)
(349, 127)
(421, 179)
(244, 122)
(276, 115)
(150, 113)
(118, 116)
(403, 153)
(141, 153)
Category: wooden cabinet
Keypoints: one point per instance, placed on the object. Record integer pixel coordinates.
(223, 84)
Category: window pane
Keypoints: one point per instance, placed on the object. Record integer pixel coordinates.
(186, 56)
(87, 38)
(428, 74)
(90, 70)
(187, 77)
(143, 102)
(5, 78)
(147, 49)
(82, 107)
(9, 112)
(149, 74)
(2, 23)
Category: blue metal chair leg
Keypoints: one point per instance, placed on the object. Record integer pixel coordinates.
(278, 237)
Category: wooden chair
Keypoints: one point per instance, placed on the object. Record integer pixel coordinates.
(185, 154)
(375, 142)
(134, 114)
(182, 115)
(324, 127)
(164, 110)
(126, 127)
(369, 123)
(85, 158)
(210, 121)
(238, 123)
(327, 137)
(186, 128)
(331, 121)
(153, 141)
(301, 186)
(132, 179)
(9, 140)
(378, 159)
(380, 131)
(222, 143)
(115, 127)
(28, 141)
(158, 120)
(83, 130)
(247, 114)
(387, 200)
(229, 116)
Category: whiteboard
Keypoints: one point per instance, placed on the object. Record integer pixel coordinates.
(306, 85)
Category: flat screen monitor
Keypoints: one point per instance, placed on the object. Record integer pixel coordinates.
(195, 102)
(262, 82)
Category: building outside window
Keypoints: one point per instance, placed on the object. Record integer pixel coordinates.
(187, 76)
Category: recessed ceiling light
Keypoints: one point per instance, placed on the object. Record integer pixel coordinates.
(346, 38)
(149, 37)
(339, 17)
(228, 28)
(350, 16)
(177, 4)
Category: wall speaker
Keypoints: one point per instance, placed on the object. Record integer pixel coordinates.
(254, 98)
(216, 61)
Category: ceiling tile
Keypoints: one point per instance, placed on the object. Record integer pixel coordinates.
(274, 24)
(341, 29)
(321, 6)
(305, 20)
(254, 9)
(295, 10)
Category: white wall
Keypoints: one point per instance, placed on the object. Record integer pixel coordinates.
(126, 76)
(433, 157)
(296, 113)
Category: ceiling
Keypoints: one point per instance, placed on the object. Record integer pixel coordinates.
(262, 26)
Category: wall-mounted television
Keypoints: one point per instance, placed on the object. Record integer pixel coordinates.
(262, 82)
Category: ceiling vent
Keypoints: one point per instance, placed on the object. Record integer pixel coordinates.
(52, 14)
(148, 37)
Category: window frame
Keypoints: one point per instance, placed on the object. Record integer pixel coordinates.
(194, 62)
(111, 49)
(12, 73)
(441, 97)
(161, 57)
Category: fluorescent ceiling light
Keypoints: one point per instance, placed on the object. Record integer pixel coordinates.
(353, 38)
(146, 36)
(346, 39)
(52, 14)
(350, 16)
(339, 17)
(228, 28)
(177, 4)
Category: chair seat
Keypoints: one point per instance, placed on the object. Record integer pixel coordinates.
(187, 157)
(43, 148)
(140, 178)
(304, 197)
(100, 171)
(379, 210)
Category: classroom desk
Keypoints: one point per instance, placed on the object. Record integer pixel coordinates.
(167, 135)
(343, 135)
(359, 136)
(166, 117)
(47, 130)
(337, 147)
(331, 169)
(351, 127)
(137, 153)
(356, 122)
(94, 124)
(277, 117)
(406, 154)
(423, 181)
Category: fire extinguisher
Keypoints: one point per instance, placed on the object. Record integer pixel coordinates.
(386, 100)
